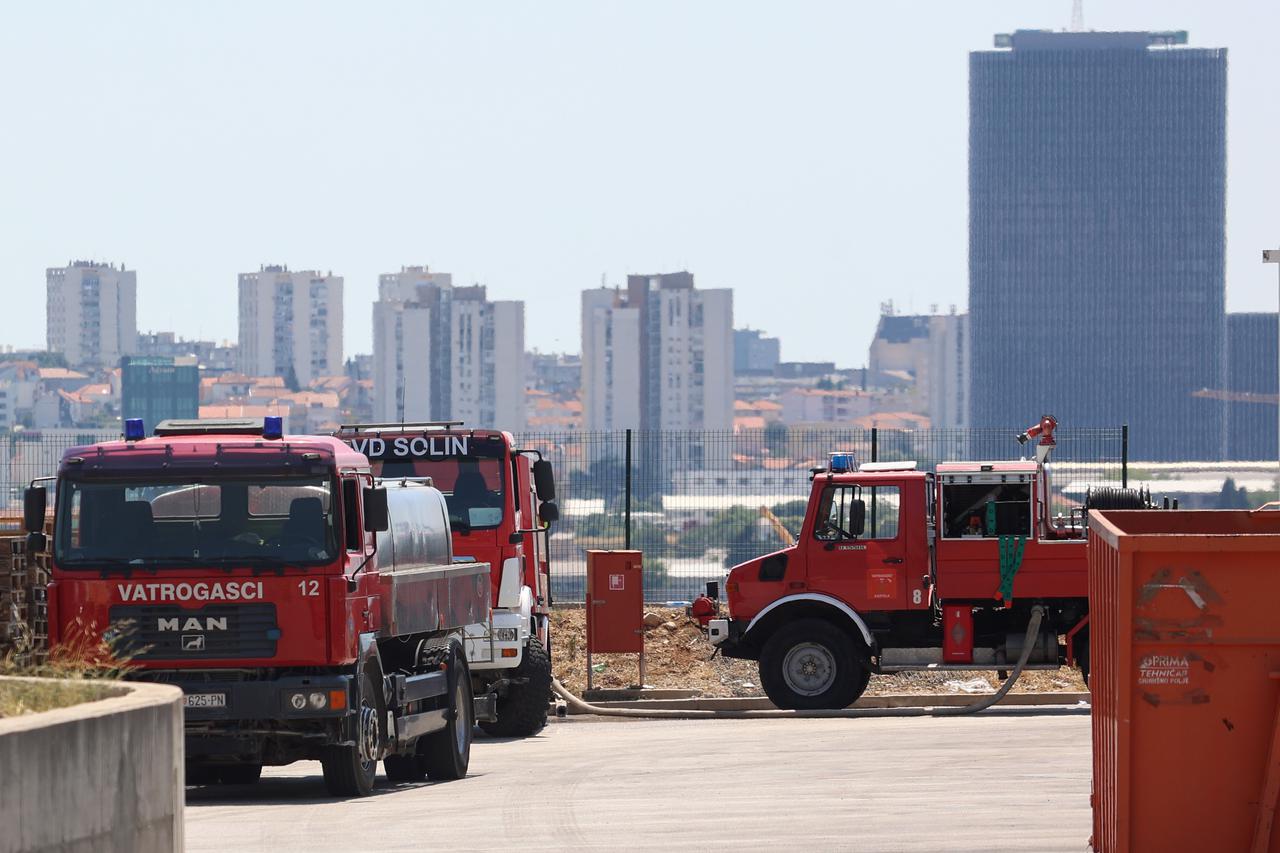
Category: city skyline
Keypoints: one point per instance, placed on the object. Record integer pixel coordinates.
(771, 190)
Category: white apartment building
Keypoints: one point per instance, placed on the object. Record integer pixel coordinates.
(610, 360)
(446, 353)
(91, 313)
(658, 355)
(932, 352)
(290, 321)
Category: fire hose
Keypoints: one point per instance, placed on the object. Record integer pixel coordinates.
(1033, 630)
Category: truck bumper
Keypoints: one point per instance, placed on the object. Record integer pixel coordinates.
(726, 636)
(504, 649)
(298, 697)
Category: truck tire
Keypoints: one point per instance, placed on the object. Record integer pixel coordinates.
(404, 768)
(349, 771)
(523, 711)
(447, 753)
(812, 664)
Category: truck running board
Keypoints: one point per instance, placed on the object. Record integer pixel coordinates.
(417, 725)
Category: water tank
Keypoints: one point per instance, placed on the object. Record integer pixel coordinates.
(419, 534)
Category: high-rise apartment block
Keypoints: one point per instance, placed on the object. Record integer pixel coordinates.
(1097, 178)
(290, 324)
(658, 355)
(442, 352)
(91, 313)
(754, 354)
(933, 350)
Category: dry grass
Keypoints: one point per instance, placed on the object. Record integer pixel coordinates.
(81, 668)
(677, 655)
(18, 696)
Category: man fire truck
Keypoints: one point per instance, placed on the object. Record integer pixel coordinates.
(500, 500)
(898, 569)
(305, 611)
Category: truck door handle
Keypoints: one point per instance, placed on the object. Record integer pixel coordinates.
(893, 559)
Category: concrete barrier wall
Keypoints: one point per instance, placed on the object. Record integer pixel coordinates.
(100, 776)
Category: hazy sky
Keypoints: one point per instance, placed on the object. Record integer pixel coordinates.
(810, 155)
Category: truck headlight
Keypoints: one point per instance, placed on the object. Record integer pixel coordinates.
(317, 701)
(298, 701)
(506, 635)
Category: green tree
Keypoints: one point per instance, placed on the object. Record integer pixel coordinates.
(775, 437)
(1232, 498)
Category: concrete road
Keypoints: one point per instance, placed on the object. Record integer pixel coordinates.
(1002, 781)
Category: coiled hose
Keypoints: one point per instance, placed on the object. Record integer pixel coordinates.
(1033, 630)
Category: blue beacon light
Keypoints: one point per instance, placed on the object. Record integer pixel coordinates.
(134, 429)
(273, 426)
(842, 463)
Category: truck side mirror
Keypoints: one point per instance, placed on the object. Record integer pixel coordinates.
(857, 517)
(34, 501)
(549, 512)
(544, 480)
(376, 516)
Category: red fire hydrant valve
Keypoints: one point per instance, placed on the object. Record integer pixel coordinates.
(704, 610)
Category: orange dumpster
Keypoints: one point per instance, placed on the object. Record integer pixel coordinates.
(1185, 648)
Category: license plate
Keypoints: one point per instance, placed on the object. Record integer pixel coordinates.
(205, 700)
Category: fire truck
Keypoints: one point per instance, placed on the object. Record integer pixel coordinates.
(501, 505)
(899, 569)
(305, 611)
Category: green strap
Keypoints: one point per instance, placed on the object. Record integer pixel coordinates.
(1011, 550)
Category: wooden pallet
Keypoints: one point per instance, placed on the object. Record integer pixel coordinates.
(24, 594)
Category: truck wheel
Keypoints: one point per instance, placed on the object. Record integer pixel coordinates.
(811, 664)
(404, 768)
(445, 754)
(349, 770)
(523, 711)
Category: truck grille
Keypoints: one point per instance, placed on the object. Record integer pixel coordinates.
(169, 632)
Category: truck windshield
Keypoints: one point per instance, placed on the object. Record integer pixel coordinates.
(190, 522)
(472, 486)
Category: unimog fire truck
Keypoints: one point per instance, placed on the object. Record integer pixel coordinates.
(898, 569)
(305, 611)
(501, 504)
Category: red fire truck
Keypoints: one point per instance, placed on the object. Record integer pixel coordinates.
(305, 611)
(898, 569)
(501, 505)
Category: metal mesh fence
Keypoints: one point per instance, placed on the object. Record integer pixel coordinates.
(698, 502)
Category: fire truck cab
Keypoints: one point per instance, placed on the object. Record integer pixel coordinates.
(501, 505)
(900, 569)
(305, 611)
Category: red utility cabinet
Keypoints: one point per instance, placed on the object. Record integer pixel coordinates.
(615, 601)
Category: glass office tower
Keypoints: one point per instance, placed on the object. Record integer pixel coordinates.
(1097, 181)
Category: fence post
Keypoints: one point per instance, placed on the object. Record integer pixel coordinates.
(875, 440)
(1124, 456)
(627, 495)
